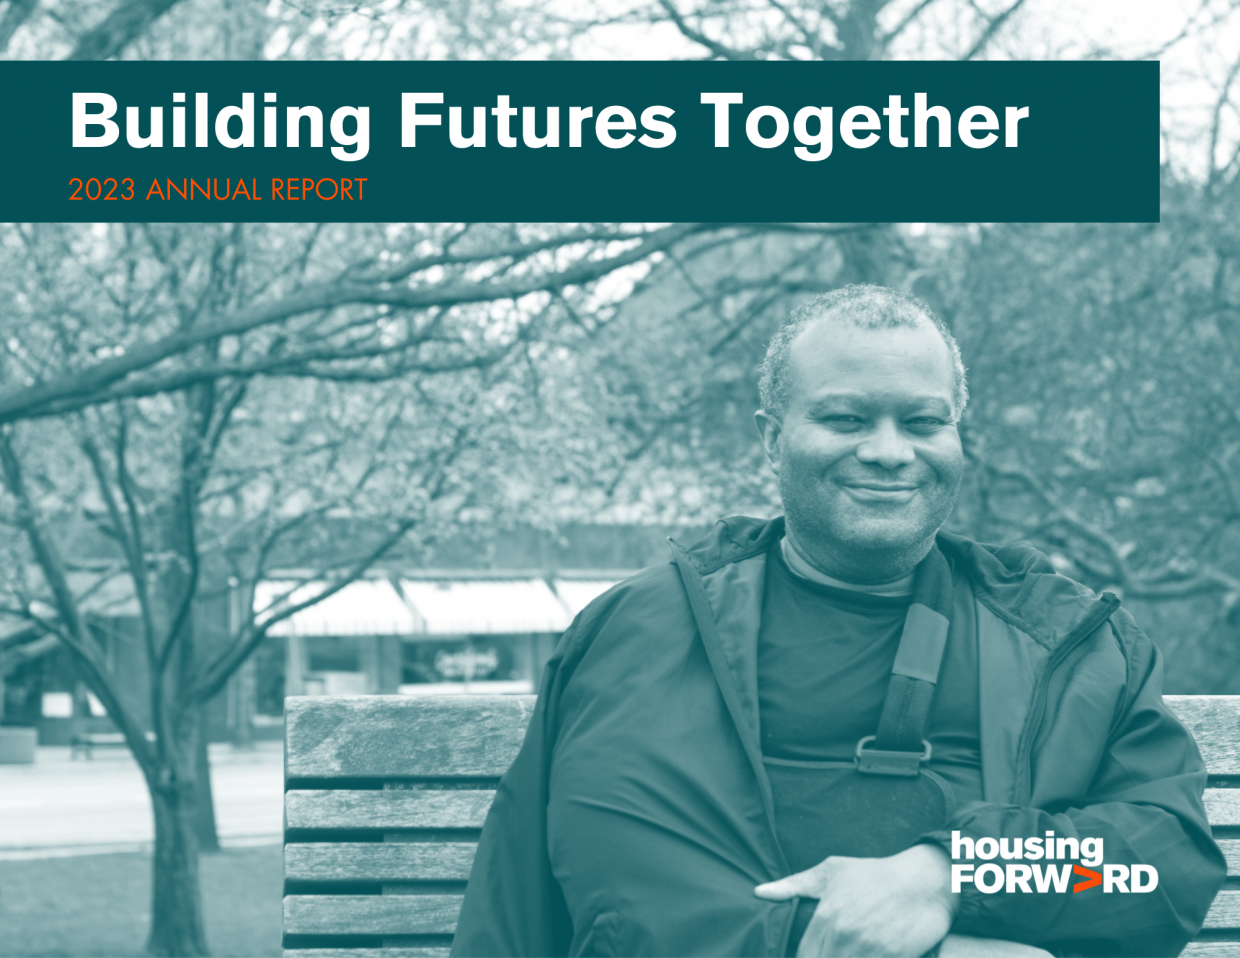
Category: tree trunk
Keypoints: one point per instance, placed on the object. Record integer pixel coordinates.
(176, 904)
(204, 801)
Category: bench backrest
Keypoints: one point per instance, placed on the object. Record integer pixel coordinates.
(385, 796)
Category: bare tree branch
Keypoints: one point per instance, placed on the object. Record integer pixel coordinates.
(96, 378)
(1149, 586)
(1194, 24)
(994, 26)
(294, 365)
(29, 632)
(218, 671)
(885, 40)
(1216, 121)
(714, 46)
(119, 28)
(17, 655)
(811, 37)
(129, 535)
(17, 13)
(74, 633)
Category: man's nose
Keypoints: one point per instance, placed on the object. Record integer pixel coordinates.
(886, 446)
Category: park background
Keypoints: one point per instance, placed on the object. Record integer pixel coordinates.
(244, 461)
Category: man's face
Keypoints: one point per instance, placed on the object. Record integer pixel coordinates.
(868, 458)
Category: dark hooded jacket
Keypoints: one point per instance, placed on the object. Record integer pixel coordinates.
(637, 818)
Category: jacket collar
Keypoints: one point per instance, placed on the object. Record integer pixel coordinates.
(732, 539)
(1025, 614)
(1016, 582)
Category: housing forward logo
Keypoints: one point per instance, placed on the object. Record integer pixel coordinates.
(1043, 876)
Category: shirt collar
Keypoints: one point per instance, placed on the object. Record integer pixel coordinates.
(800, 566)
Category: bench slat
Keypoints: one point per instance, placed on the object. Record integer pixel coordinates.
(387, 809)
(1214, 721)
(437, 914)
(379, 862)
(467, 808)
(391, 736)
(429, 952)
(371, 914)
(1231, 851)
(1225, 912)
(1223, 806)
(444, 861)
(1194, 949)
(394, 736)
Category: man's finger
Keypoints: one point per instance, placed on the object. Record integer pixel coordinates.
(807, 884)
(780, 890)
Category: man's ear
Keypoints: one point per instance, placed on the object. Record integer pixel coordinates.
(769, 429)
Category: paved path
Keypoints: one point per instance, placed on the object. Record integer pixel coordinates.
(58, 806)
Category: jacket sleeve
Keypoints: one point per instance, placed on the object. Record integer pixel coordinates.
(1145, 802)
(513, 904)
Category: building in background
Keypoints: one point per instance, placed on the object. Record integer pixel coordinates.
(427, 631)
(479, 613)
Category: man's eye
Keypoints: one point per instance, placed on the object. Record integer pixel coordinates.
(925, 424)
(842, 422)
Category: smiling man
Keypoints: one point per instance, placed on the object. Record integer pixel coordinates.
(859, 424)
(774, 744)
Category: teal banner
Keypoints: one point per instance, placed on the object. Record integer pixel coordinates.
(589, 141)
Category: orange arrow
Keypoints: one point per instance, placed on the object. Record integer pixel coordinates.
(1095, 878)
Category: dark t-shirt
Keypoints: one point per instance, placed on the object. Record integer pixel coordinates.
(824, 663)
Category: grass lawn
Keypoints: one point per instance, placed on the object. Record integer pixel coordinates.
(99, 905)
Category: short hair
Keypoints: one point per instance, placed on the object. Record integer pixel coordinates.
(864, 305)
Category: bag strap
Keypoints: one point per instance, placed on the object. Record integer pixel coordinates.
(899, 747)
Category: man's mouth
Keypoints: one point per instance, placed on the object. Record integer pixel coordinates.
(881, 491)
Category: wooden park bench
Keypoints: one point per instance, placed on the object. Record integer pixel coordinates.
(85, 743)
(385, 797)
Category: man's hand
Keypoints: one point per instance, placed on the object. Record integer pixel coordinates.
(899, 906)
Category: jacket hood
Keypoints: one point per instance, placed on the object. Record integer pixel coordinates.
(1016, 581)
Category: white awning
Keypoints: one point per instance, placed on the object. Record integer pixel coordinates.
(578, 593)
(432, 607)
(485, 606)
(364, 607)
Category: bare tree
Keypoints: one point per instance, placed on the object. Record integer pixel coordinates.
(1104, 423)
(126, 22)
(144, 404)
(827, 30)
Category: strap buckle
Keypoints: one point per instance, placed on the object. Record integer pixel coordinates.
(873, 761)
